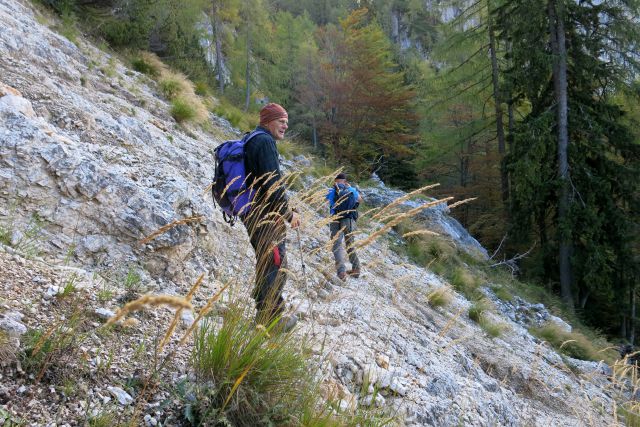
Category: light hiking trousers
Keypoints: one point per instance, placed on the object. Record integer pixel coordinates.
(346, 228)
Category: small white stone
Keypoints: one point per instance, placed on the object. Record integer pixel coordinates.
(104, 313)
(383, 361)
(397, 387)
(123, 397)
(150, 421)
(187, 318)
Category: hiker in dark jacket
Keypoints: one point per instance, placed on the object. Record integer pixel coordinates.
(265, 222)
(343, 226)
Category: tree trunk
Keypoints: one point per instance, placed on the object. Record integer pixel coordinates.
(584, 297)
(395, 33)
(217, 33)
(504, 182)
(632, 326)
(247, 98)
(559, 51)
(512, 124)
(315, 132)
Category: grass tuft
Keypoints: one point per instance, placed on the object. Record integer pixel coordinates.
(234, 115)
(465, 283)
(572, 344)
(502, 292)
(7, 349)
(182, 110)
(148, 63)
(172, 84)
(252, 373)
(477, 309)
(493, 329)
(440, 297)
(176, 87)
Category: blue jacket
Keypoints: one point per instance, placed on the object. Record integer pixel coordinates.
(331, 197)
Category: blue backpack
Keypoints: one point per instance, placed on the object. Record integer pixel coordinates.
(346, 203)
(229, 187)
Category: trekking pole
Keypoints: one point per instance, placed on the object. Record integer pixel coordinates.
(301, 256)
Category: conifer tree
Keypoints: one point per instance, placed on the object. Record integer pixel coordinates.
(584, 211)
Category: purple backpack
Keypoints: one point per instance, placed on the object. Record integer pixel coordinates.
(229, 188)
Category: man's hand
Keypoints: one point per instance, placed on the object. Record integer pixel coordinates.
(295, 220)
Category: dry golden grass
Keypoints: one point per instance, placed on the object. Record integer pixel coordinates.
(7, 350)
(420, 232)
(461, 202)
(397, 219)
(176, 317)
(203, 312)
(440, 297)
(169, 226)
(402, 199)
(147, 301)
(625, 385)
(153, 62)
(175, 87)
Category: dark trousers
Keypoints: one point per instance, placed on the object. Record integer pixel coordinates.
(268, 241)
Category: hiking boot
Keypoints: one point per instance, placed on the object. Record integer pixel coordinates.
(342, 275)
(355, 273)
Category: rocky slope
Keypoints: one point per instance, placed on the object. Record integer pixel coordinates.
(91, 162)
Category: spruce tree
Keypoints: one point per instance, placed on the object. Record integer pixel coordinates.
(583, 212)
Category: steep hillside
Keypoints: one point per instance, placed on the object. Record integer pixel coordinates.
(91, 162)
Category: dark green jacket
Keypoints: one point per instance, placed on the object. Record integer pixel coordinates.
(261, 159)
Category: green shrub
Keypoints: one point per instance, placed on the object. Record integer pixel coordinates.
(144, 67)
(171, 88)
(182, 110)
(201, 88)
(502, 292)
(572, 344)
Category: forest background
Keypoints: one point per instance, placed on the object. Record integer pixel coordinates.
(530, 106)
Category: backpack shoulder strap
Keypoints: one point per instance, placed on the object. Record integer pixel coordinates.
(249, 135)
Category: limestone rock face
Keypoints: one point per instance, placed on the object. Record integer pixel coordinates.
(99, 172)
(91, 163)
(435, 217)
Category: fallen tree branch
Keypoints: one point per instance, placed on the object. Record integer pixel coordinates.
(499, 246)
(512, 262)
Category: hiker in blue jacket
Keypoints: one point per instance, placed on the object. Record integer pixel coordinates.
(265, 222)
(343, 204)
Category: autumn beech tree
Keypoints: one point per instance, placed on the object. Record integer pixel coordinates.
(367, 108)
